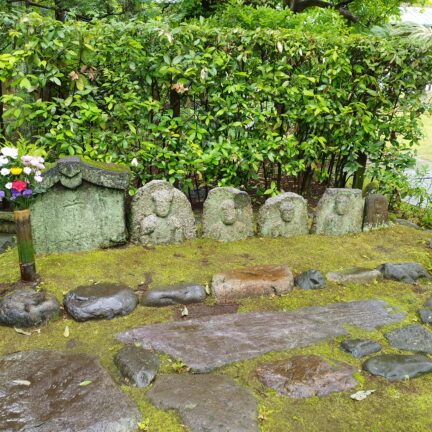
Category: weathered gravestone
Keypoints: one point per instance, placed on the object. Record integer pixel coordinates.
(161, 214)
(375, 211)
(283, 216)
(227, 215)
(339, 212)
(81, 207)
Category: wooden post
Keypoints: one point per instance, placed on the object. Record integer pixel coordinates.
(25, 245)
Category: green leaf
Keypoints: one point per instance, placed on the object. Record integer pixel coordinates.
(85, 383)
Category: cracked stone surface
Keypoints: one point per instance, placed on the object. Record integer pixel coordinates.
(207, 403)
(204, 344)
(40, 391)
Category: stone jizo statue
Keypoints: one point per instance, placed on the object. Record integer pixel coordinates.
(161, 214)
(227, 215)
(283, 216)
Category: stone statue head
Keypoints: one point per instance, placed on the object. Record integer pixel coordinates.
(228, 212)
(342, 203)
(162, 200)
(287, 211)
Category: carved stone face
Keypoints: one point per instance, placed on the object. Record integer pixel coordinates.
(162, 201)
(342, 205)
(228, 212)
(287, 211)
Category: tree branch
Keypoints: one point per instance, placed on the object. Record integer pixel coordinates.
(300, 6)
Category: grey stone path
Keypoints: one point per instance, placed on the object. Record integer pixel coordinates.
(210, 342)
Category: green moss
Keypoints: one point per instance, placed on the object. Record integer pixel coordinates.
(393, 407)
(105, 165)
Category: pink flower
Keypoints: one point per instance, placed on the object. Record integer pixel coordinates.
(19, 185)
(26, 160)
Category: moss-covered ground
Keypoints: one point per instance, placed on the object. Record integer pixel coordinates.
(395, 406)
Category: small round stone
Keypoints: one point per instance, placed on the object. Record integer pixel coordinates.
(310, 280)
(360, 347)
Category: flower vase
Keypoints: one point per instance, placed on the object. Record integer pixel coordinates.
(25, 245)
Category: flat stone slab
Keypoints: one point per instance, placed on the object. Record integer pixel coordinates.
(102, 301)
(398, 367)
(40, 391)
(306, 376)
(210, 342)
(355, 275)
(252, 282)
(206, 403)
(360, 347)
(174, 294)
(26, 307)
(403, 272)
(413, 337)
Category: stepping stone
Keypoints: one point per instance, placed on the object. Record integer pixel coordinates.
(175, 294)
(252, 282)
(27, 308)
(210, 342)
(397, 366)
(48, 391)
(206, 402)
(310, 280)
(360, 347)
(426, 316)
(137, 365)
(306, 376)
(413, 337)
(403, 272)
(355, 276)
(103, 301)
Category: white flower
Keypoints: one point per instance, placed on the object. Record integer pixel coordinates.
(10, 152)
(27, 170)
(8, 185)
(5, 171)
(26, 160)
(34, 162)
(40, 166)
(38, 178)
(38, 173)
(3, 160)
(134, 162)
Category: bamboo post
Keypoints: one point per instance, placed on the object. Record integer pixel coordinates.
(25, 245)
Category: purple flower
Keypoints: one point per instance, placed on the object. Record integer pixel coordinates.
(2, 195)
(27, 193)
(15, 194)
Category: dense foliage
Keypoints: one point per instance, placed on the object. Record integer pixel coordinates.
(221, 100)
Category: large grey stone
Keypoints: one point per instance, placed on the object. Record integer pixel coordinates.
(206, 403)
(27, 308)
(425, 315)
(137, 365)
(306, 376)
(161, 214)
(397, 366)
(283, 216)
(209, 342)
(310, 280)
(227, 215)
(413, 337)
(360, 347)
(355, 276)
(375, 211)
(52, 399)
(251, 282)
(80, 207)
(339, 211)
(174, 294)
(403, 272)
(104, 301)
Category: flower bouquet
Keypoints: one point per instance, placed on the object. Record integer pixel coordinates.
(18, 177)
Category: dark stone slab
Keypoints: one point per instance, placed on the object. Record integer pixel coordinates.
(53, 400)
(27, 308)
(310, 280)
(206, 343)
(413, 337)
(403, 272)
(206, 403)
(174, 294)
(425, 315)
(100, 301)
(360, 347)
(397, 366)
(307, 376)
(137, 365)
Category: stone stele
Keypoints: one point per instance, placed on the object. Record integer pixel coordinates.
(339, 212)
(283, 216)
(375, 211)
(80, 207)
(227, 215)
(161, 214)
